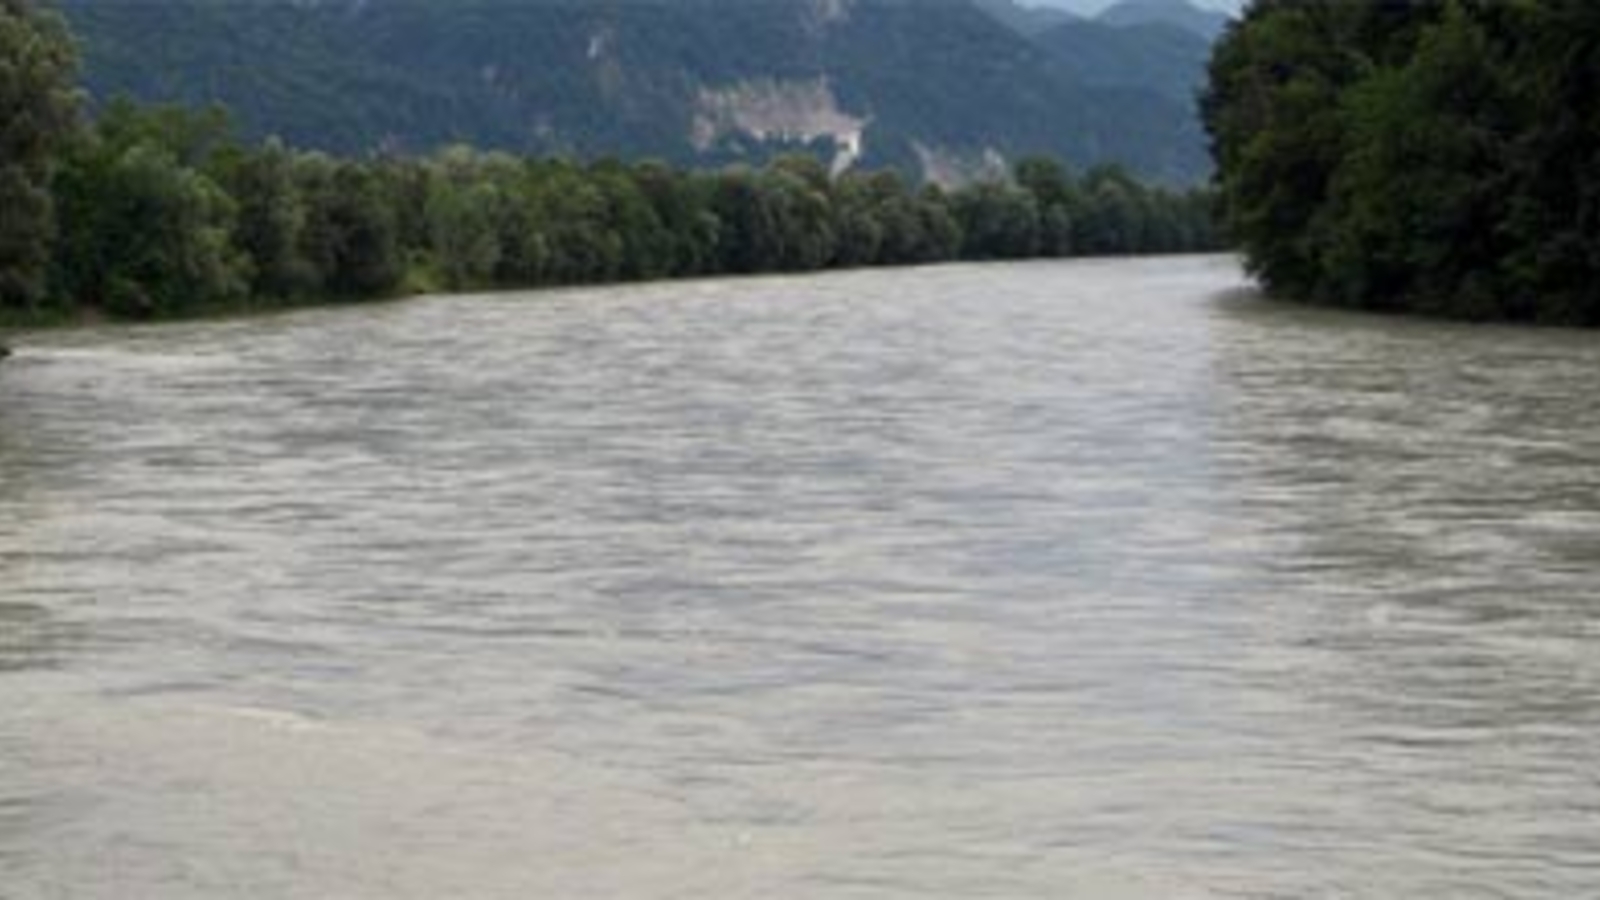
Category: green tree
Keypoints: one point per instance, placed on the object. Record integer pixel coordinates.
(895, 210)
(1113, 218)
(463, 209)
(352, 229)
(1272, 108)
(1414, 211)
(682, 206)
(195, 137)
(1553, 229)
(647, 248)
(1058, 201)
(37, 117)
(856, 223)
(576, 216)
(998, 220)
(1436, 157)
(941, 233)
(146, 236)
(271, 221)
(747, 235)
(801, 214)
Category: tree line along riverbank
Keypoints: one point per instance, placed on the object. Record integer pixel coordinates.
(1440, 157)
(156, 212)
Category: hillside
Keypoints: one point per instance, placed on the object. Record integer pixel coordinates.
(1207, 24)
(937, 87)
(1027, 21)
(1159, 58)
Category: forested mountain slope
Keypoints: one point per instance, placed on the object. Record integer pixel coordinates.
(938, 87)
(1160, 58)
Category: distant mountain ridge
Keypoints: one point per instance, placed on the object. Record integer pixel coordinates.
(1206, 23)
(1148, 45)
(1205, 18)
(1160, 58)
(1027, 21)
(938, 87)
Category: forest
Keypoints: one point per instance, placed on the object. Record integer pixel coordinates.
(1439, 157)
(148, 212)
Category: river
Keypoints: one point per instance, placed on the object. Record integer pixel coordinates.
(1082, 580)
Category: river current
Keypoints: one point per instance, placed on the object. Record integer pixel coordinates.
(1073, 580)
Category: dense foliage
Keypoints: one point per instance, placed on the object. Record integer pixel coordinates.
(1441, 157)
(163, 212)
(36, 115)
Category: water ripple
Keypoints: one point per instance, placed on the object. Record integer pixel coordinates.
(1100, 580)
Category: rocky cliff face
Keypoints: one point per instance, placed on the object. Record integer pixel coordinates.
(767, 111)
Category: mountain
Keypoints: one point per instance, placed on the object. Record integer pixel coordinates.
(1078, 9)
(1155, 56)
(1160, 58)
(937, 87)
(1027, 21)
(1089, 9)
(1206, 23)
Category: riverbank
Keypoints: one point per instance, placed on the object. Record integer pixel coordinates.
(16, 324)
